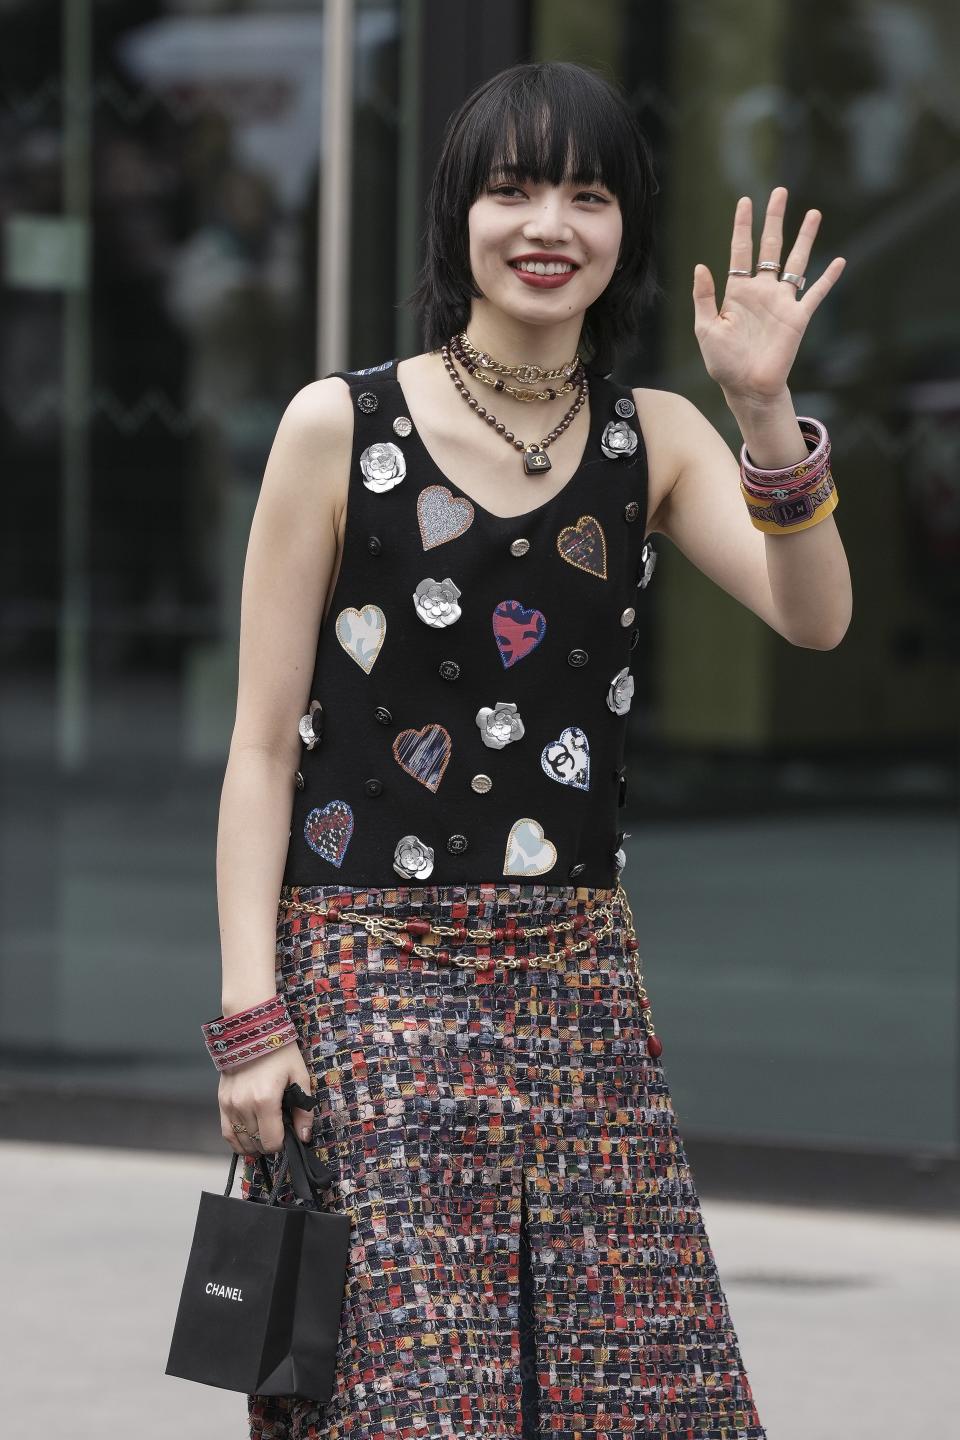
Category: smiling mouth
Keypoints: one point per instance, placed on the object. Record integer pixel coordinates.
(542, 267)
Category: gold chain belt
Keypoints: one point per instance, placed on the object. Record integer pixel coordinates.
(416, 930)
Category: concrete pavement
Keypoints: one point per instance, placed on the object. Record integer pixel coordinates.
(849, 1323)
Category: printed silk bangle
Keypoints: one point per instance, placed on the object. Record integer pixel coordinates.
(793, 497)
(811, 430)
(232, 1040)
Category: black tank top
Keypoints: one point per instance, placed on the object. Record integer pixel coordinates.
(468, 707)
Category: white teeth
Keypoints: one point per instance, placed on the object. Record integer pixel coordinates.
(537, 267)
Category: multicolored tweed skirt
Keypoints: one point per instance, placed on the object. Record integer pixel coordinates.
(528, 1256)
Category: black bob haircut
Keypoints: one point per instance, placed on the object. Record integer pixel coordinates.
(525, 121)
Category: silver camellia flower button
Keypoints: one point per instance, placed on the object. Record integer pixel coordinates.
(412, 858)
(620, 693)
(618, 439)
(383, 466)
(500, 725)
(435, 602)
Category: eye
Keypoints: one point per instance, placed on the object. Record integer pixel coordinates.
(583, 194)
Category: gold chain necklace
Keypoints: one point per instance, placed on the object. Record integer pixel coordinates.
(387, 928)
(501, 386)
(528, 374)
(535, 457)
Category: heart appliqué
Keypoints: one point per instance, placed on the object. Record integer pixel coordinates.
(585, 546)
(568, 759)
(528, 852)
(362, 633)
(442, 516)
(424, 753)
(517, 630)
(327, 830)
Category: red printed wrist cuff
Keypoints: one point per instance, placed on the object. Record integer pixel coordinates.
(234, 1039)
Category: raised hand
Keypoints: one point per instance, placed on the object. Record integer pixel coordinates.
(749, 345)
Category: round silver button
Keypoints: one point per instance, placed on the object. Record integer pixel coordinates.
(628, 616)
(299, 779)
(457, 844)
(449, 670)
(625, 407)
(481, 784)
(367, 402)
(519, 547)
(402, 425)
(630, 511)
(383, 715)
(577, 657)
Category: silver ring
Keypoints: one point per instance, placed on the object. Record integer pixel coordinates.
(798, 280)
(768, 265)
(739, 272)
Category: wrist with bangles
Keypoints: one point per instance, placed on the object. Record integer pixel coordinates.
(232, 1040)
(793, 497)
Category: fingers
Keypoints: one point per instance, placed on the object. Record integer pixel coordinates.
(771, 240)
(704, 299)
(303, 1120)
(816, 292)
(741, 246)
(238, 1130)
(799, 258)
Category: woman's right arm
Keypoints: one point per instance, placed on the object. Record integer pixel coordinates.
(288, 571)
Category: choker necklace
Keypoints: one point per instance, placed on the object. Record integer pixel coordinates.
(528, 374)
(501, 386)
(535, 457)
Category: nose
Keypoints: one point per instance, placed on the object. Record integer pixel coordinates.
(548, 224)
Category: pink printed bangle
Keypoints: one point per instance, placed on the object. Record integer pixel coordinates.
(232, 1040)
(818, 455)
(787, 489)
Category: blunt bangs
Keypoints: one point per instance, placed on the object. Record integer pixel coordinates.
(552, 122)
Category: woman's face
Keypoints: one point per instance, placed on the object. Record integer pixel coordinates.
(581, 223)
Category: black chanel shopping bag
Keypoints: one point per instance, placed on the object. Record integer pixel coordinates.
(260, 1306)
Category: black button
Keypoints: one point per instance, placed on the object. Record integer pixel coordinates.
(449, 669)
(373, 787)
(577, 658)
(382, 715)
(630, 511)
(634, 637)
(577, 869)
(456, 844)
(373, 545)
(299, 779)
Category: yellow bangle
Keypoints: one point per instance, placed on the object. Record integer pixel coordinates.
(764, 517)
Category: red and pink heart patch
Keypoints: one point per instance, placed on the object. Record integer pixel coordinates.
(517, 630)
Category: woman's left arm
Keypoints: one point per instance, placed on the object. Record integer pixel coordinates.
(799, 582)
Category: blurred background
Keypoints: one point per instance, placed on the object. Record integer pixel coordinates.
(204, 205)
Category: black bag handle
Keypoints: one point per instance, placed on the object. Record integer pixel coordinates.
(306, 1172)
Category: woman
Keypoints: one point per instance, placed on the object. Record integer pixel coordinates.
(452, 970)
